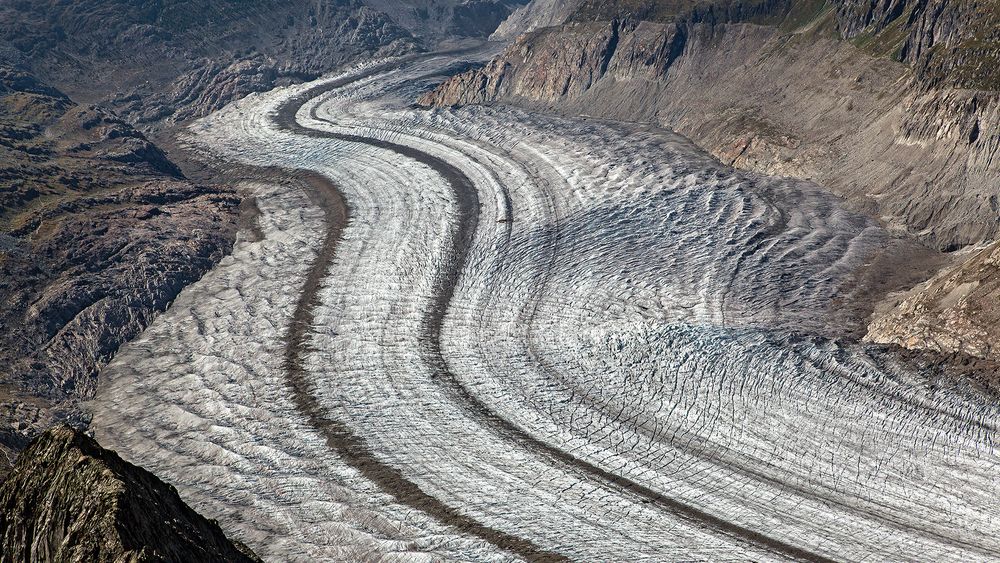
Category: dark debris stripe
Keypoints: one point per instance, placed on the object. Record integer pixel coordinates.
(390, 479)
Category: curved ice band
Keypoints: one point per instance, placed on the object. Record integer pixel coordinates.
(625, 299)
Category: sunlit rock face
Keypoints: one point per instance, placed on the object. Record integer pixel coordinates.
(954, 312)
(537, 337)
(69, 499)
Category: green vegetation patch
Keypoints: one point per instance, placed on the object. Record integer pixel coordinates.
(805, 14)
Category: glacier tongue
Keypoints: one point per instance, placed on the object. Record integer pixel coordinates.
(633, 358)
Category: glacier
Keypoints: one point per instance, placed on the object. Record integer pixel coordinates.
(538, 338)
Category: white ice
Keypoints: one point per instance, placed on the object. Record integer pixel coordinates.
(626, 301)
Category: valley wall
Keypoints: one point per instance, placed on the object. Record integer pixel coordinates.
(891, 105)
(99, 231)
(790, 99)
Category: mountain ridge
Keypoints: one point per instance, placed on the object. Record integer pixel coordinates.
(69, 499)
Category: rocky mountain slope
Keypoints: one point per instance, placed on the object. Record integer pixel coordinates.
(535, 15)
(892, 105)
(98, 232)
(68, 499)
(173, 60)
(435, 20)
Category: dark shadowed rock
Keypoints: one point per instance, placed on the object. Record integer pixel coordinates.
(68, 499)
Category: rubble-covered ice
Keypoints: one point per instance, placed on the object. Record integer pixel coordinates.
(635, 362)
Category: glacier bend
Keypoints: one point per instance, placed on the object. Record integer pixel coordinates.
(606, 345)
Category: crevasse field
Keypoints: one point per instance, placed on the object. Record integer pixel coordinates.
(538, 338)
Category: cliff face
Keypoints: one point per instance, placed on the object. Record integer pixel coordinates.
(857, 17)
(68, 499)
(951, 43)
(956, 311)
(99, 231)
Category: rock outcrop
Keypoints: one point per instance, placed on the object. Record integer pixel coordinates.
(99, 231)
(68, 499)
(952, 43)
(955, 312)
